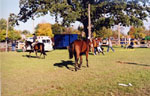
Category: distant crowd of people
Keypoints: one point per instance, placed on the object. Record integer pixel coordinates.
(96, 46)
(13, 43)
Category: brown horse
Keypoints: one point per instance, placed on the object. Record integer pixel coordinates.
(37, 47)
(78, 48)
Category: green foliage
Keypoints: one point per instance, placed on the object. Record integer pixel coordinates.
(2, 35)
(106, 14)
(3, 24)
(12, 34)
(137, 32)
(25, 32)
(104, 32)
(57, 28)
(44, 29)
(13, 19)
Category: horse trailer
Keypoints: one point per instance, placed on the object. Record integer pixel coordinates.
(63, 40)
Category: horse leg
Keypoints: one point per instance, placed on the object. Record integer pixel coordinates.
(42, 51)
(76, 55)
(87, 59)
(30, 54)
(36, 53)
(103, 53)
(79, 65)
(43, 55)
(40, 54)
(76, 62)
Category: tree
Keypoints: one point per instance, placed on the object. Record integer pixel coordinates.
(104, 32)
(12, 34)
(115, 34)
(147, 32)
(2, 35)
(137, 32)
(3, 25)
(44, 29)
(105, 14)
(25, 32)
(57, 28)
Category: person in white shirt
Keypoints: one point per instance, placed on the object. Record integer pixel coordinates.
(109, 45)
(99, 47)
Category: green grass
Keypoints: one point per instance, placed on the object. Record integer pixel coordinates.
(23, 76)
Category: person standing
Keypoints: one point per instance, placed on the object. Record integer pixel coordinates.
(13, 45)
(109, 45)
(99, 48)
(131, 44)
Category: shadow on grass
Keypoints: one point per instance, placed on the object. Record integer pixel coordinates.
(29, 56)
(131, 63)
(65, 64)
(91, 54)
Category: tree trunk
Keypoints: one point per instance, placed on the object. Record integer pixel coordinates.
(89, 22)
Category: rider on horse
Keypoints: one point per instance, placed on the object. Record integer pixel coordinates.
(34, 40)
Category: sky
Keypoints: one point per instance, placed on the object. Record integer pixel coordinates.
(12, 6)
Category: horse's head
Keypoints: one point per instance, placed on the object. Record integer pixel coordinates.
(70, 49)
(27, 43)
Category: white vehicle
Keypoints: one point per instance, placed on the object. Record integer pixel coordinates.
(43, 39)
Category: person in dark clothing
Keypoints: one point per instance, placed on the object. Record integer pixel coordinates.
(34, 40)
(13, 46)
(131, 44)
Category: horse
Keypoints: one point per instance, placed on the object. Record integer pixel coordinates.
(37, 47)
(78, 48)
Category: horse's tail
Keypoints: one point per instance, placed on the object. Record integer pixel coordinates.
(71, 50)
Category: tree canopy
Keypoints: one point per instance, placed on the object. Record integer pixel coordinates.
(12, 33)
(137, 32)
(105, 13)
(44, 29)
(105, 33)
(57, 28)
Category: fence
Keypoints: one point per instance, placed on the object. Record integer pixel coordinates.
(3, 47)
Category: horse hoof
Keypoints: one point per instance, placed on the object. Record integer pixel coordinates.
(79, 66)
(76, 69)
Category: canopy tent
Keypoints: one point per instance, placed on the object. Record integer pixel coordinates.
(147, 38)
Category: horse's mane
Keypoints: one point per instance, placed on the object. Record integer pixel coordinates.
(28, 42)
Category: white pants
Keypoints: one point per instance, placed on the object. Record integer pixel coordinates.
(99, 49)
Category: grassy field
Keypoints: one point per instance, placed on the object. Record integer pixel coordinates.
(53, 76)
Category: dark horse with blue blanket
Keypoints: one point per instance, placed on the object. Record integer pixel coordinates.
(78, 48)
(39, 47)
